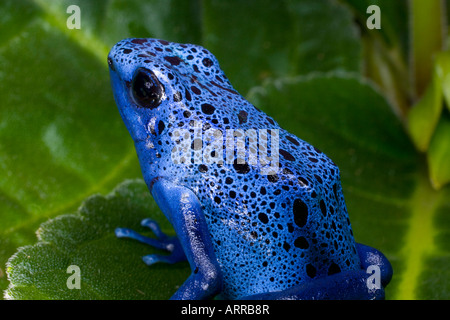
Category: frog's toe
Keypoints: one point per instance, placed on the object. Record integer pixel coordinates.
(164, 242)
(154, 258)
(154, 227)
(128, 233)
(151, 259)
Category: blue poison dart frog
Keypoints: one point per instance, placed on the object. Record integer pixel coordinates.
(258, 213)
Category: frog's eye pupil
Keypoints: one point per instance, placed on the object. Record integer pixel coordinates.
(146, 89)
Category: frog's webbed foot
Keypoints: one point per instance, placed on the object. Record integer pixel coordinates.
(162, 241)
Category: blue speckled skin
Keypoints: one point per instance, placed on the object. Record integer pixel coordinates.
(246, 234)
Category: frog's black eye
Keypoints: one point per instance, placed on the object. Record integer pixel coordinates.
(111, 64)
(146, 89)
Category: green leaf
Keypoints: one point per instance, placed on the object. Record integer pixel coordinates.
(394, 21)
(385, 50)
(439, 154)
(280, 38)
(110, 268)
(424, 116)
(427, 27)
(428, 122)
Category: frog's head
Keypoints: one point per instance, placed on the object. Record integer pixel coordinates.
(155, 82)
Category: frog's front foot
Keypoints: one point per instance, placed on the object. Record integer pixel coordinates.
(162, 241)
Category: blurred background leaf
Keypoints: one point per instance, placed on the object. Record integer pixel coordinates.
(312, 65)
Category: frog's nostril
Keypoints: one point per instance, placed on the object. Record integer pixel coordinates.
(111, 64)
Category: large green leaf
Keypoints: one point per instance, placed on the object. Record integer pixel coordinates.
(428, 122)
(439, 154)
(109, 268)
(280, 38)
(62, 139)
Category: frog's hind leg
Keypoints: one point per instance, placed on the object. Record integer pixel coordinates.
(370, 258)
(162, 241)
(346, 285)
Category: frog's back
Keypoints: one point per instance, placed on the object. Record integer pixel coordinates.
(271, 230)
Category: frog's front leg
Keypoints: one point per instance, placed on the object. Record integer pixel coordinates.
(183, 209)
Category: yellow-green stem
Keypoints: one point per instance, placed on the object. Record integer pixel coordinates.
(427, 22)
